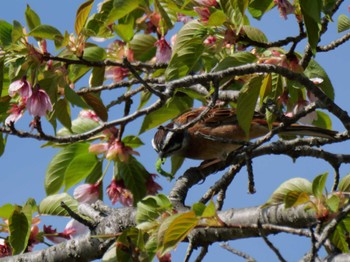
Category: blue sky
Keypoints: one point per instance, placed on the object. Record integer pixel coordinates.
(24, 163)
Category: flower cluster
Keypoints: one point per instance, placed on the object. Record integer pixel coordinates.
(72, 229)
(35, 100)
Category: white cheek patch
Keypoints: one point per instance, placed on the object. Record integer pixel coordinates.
(167, 139)
(154, 145)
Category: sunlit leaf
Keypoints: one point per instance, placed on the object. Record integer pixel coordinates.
(295, 198)
(174, 229)
(51, 205)
(62, 112)
(55, 173)
(257, 8)
(143, 47)
(32, 18)
(339, 239)
(217, 18)
(94, 53)
(5, 33)
(82, 15)
(255, 34)
(17, 31)
(344, 184)
(19, 227)
(132, 141)
(121, 8)
(343, 23)
(151, 207)
(79, 126)
(74, 98)
(318, 185)
(6, 210)
(97, 76)
(247, 99)
(45, 31)
(292, 185)
(323, 120)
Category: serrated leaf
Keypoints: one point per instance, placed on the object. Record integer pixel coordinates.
(5, 33)
(51, 205)
(343, 23)
(174, 229)
(62, 112)
(187, 50)
(79, 168)
(134, 175)
(6, 210)
(151, 207)
(32, 18)
(292, 185)
(318, 185)
(344, 184)
(255, 34)
(314, 70)
(246, 103)
(82, 15)
(97, 105)
(132, 141)
(143, 47)
(19, 227)
(45, 32)
(295, 198)
(217, 18)
(55, 173)
(94, 53)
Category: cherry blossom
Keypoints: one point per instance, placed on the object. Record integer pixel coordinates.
(163, 53)
(22, 87)
(39, 103)
(87, 193)
(117, 191)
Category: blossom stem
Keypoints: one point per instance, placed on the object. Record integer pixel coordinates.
(104, 172)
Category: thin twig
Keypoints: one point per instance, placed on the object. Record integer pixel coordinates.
(237, 252)
(77, 217)
(202, 253)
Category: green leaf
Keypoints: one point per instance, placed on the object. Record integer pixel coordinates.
(235, 10)
(134, 175)
(314, 70)
(257, 8)
(323, 120)
(32, 18)
(51, 205)
(187, 50)
(217, 18)
(143, 47)
(236, 59)
(19, 227)
(6, 210)
(79, 168)
(111, 254)
(97, 105)
(255, 34)
(82, 15)
(176, 163)
(311, 10)
(167, 14)
(5, 33)
(333, 203)
(210, 210)
(46, 32)
(94, 53)
(97, 76)
(295, 198)
(79, 126)
(55, 173)
(246, 103)
(17, 31)
(292, 185)
(125, 31)
(343, 23)
(339, 238)
(151, 207)
(62, 112)
(74, 98)
(318, 185)
(198, 208)
(121, 8)
(344, 184)
(171, 109)
(75, 72)
(132, 141)
(174, 229)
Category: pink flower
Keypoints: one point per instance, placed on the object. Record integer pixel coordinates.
(117, 191)
(165, 258)
(16, 112)
(33, 238)
(210, 41)
(152, 186)
(5, 249)
(183, 18)
(309, 118)
(118, 151)
(39, 103)
(89, 114)
(285, 7)
(22, 87)
(203, 12)
(87, 193)
(163, 53)
(116, 73)
(206, 2)
(72, 229)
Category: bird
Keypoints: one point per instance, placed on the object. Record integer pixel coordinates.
(217, 134)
